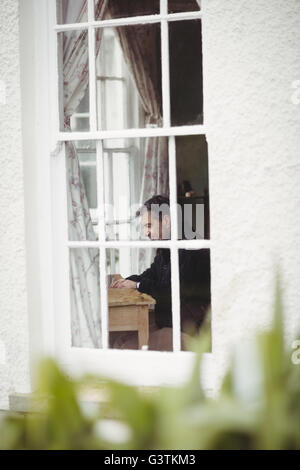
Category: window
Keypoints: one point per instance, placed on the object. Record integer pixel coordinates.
(129, 118)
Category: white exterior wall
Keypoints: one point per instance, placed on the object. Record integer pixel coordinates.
(251, 58)
(14, 352)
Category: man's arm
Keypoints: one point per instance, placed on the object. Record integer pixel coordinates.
(156, 281)
(149, 273)
(155, 289)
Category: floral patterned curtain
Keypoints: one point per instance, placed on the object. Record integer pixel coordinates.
(84, 263)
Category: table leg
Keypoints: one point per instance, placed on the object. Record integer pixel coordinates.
(143, 326)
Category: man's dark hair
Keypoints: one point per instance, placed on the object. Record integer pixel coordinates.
(158, 205)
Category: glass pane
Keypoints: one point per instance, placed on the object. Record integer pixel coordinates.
(195, 296)
(128, 69)
(73, 80)
(82, 190)
(193, 187)
(186, 72)
(140, 315)
(177, 6)
(71, 11)
(85, 298)
(126, 8)
(135, 170)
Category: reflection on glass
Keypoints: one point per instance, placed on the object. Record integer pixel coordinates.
(138, 321)
(195, 296)
(129, 77)
(186, 72)
(85, 298)
(74, 80)
(82, 190)
(134, 171)
(126, 8)
(177, 6)
(193, 187)
(71, 11)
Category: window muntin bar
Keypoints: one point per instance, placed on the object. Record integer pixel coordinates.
(131, 133)
(180, 244)
(130, 21)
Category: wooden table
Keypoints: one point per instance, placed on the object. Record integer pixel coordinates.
(129, 311)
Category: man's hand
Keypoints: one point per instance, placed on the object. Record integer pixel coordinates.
(124, 284)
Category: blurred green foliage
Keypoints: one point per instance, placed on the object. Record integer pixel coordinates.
(169, 418)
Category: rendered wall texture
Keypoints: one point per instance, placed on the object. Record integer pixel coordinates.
(14, 368)
(251, 59)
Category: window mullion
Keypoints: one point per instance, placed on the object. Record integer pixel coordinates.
(165, 65)
(92, 68)
(101, 231)
(175, 282)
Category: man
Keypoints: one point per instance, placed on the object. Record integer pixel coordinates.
(194, 272)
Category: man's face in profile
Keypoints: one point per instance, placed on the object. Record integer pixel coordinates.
(154, 228)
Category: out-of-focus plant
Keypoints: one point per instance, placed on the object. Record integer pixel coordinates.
(265, 416)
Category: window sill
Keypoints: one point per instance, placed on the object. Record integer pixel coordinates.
(89, 401)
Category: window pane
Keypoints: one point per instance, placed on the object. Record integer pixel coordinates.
(134, 171)
(177, 6)
(193, 187)
(82, 190)
(73, 80)
(126, 8)
(143, 316)
(128, 69)
(186, 72)
(71, 11)
(85, 298)
(195, 297)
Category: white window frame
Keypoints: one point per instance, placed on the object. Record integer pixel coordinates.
(149, 368)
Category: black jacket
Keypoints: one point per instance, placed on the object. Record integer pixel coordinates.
(194, 272)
